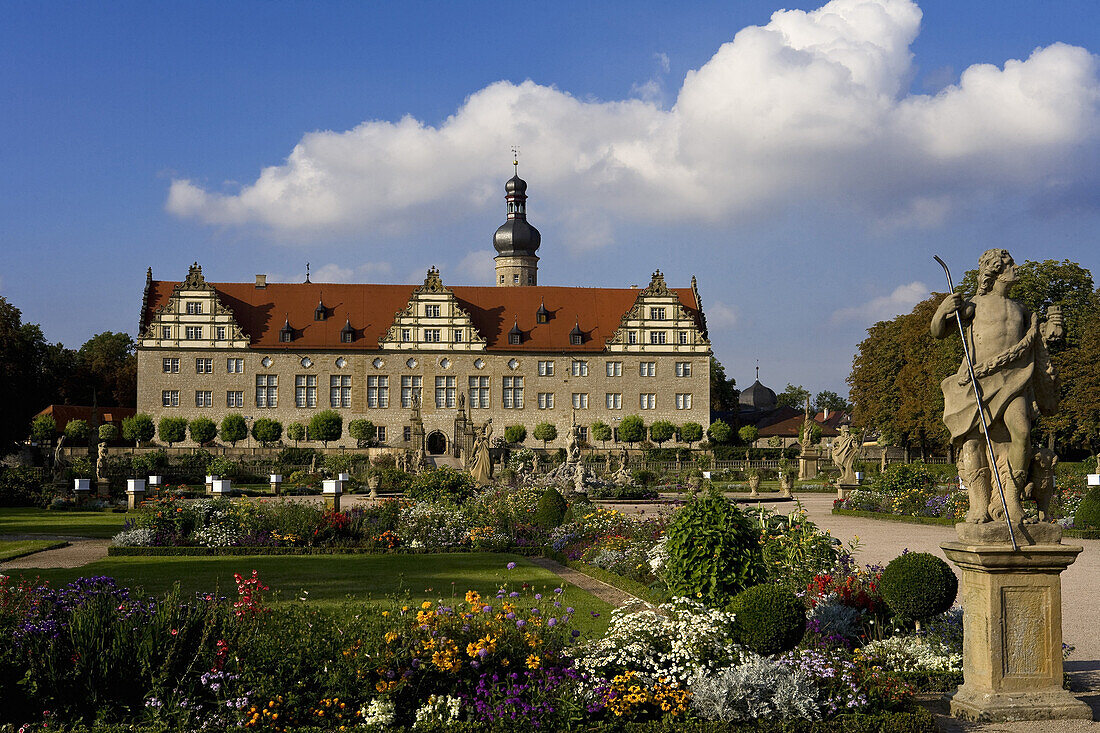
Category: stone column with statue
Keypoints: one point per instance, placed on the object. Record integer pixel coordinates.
(845, 450)
(1011, 565)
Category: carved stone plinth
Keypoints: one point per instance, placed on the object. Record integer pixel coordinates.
(807, 466)
(1012, 624)
(842, 490)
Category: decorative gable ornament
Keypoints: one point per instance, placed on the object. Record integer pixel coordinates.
(413, 321)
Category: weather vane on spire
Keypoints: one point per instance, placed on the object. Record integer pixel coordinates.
(515, 158)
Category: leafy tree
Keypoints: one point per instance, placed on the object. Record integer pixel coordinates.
(515, 434)
(723, 392)
(720, 432)
(138, 428)
(296, 431)
(77, 430)
(776, 442)
(326, 425)
(792, 396)
(43, 429)
(108, 362)
(632, 429)
(601, 431)
(172, 429)
(748, 434)
(203, 430)
(361, 430)
(691, 432)
(661, 431)
(233, 429)
(545, 431)
(267, 431)
(25, 381)
(831, 401)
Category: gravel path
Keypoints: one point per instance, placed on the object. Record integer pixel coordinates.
(603, 591)
(80, 551)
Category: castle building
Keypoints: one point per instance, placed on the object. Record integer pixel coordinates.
(428, 363)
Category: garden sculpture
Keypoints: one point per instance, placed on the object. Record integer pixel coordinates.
(624, 459)
(481, 466)
(57, 462)
(844, 452)
(1005, 381)
(1040, 481)
(101, 463)
(573, 446)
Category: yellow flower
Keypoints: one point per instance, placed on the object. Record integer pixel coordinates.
(533, 661)
(426, 604)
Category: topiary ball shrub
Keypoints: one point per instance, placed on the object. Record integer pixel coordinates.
(918, 585)
(769, 619)
(713, 551)
(551, 509)
(1087, 515)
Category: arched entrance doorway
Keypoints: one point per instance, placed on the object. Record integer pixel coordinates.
(437, 443)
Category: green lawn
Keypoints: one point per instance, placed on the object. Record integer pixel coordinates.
(19, 548)
(22, 520)
(333, 579)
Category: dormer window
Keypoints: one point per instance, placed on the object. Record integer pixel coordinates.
(321, 313)
(194, 307)
(542, 315)
(347, 333)
(515, 336)
(576, 336)
(431, 311)
(286, 333)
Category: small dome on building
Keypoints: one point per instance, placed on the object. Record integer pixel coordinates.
(757, 397)
(516, 236)
(515, 185)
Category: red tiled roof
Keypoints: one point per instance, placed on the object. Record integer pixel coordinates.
(62, 414)
(261, 312)
(792, 428)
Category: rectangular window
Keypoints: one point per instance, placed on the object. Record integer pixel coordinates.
(458, 335)
(515, 338)
(339, 390)
(234, 398)
(220, 331)
(656, 314)
(632, 337)
(192, 333)
(444, 392)
(166, 332)
(170, 365)
(267, 390)
(614, 400)
(479, 393)
(432, 335)
(647, 369)
(657, 337)
(380, 433)
(406, 433)
(170, 398)
(234, 366)
(305, 390)
(378, 391)
(204, 398)
(513, 393)
(410, 385)
(682, 336)
(546, 368)
(580, 368)
(582, 433)
(546, 400)
(406, 334)
(647, 401)
(347, 336)
(683, 402)
(204, 366)
(683, 369)
(431, 311)
(194, 307)
(614, 368)
(580, 400)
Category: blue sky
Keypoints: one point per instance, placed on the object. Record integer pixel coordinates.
(805, 172)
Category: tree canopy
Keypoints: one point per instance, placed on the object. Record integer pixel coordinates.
(691, 432)
(267, 431)
(515, 433)
(829, 400)
(233, 428)
(138, 428)
(172, 429)
(793, 396)
(326, 425)
(601, 431)
(661, 431)
(632, 429)
(723, 392)
(545, 431)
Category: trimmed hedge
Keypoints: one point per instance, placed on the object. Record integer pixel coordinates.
(918, 720)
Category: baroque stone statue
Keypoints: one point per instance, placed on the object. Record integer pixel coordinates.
(101, 463)
(481, 465)
(845, 449)
(1017, 383)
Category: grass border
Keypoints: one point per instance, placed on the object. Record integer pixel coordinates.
(176, 551)
(52, 546)
(626, 585)
(1080, 534)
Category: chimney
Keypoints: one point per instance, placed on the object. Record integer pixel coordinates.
(261, 281)
(826, 414)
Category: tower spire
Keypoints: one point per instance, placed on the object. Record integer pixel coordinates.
(516, 241)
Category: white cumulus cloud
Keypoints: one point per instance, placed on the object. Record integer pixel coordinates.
(883, 307)
(720, 316)
(811, 108)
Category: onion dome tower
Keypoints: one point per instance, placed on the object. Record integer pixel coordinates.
(515, 240)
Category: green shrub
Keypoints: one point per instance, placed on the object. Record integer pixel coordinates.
(139, 428)
(443, 484)
(551, 510)
(643, 476)
(900, 478)
(234, 429)
(267, 431)
(713, 551)
(172, 429)
(632, 429)
(1087, 515)
(326, 425)
(203, 430)
(108, 432)
(20, 487)
(720, 432)
(515, 434)
(918, 585)
(361, 430)
(296, 431)
(77, 430)
(769, 619)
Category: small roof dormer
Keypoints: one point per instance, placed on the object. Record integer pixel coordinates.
(347, 333)
(515, 336)
(286, 333)
(321, 312)
(542, 315)
(576, 336)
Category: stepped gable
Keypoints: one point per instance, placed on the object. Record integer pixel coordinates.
(370, 309)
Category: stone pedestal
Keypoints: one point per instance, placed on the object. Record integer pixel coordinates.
(373, 482)
(276, 484)
(332, 490)
(135, 492)
(210, 484)
(842, 490)
(1094, 479)
(1012, 624)
(221, 487)
(807, 466)
(82, 489)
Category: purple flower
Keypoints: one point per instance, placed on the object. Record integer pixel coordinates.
(520, 624)
(552, 622)
(538, 596)
(557, 590)
(511, 566)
